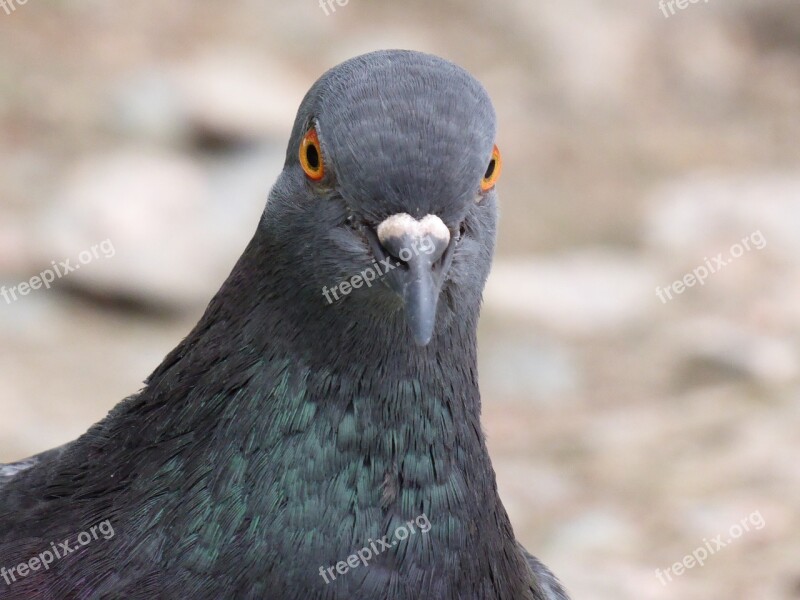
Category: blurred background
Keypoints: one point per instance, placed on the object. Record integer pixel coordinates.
(627, 426)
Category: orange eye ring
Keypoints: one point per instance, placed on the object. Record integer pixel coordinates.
(311, 156)
(493, 171)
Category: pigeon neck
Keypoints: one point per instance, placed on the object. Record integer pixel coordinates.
(340, 431)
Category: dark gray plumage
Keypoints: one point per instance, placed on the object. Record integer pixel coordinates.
(285, 431)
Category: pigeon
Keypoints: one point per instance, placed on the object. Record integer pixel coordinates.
(317, 435)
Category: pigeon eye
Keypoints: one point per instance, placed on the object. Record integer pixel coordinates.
(492, 171)
(311, 156)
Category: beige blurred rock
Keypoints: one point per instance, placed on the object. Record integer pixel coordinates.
(172, 244)
(578, 35)
(709, 55)
(522, 364)
(585, 292)
(704, 213)
(14, 245)
(149, 105)
(737, 349)
(228, 93)
(601, 530)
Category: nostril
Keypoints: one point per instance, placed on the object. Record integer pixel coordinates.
(462, 230)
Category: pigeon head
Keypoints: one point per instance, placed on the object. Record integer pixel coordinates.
(386, 204)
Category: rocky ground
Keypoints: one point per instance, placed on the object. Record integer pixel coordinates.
(629, 426)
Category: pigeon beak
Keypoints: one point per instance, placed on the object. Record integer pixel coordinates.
(420, 252)
(421, 297)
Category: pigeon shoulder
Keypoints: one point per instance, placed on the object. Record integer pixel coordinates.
(544, 579)
(12, 472)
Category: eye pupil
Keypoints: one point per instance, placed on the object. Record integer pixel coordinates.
(312, 156)
(491, 169)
